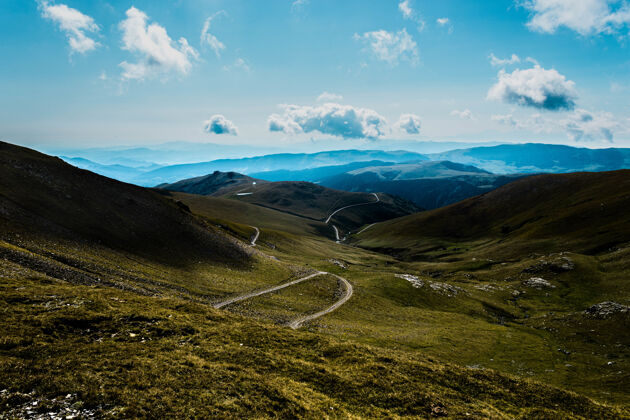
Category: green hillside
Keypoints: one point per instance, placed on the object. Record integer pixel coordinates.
(98, 324)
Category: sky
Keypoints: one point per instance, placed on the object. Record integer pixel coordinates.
(284, 72)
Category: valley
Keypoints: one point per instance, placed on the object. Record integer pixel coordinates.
(487, 308)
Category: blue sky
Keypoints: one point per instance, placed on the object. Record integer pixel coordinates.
(101, 73)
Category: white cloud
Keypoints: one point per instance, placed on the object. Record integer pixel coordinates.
(585, 17)
(578, 125)
(405, 9)
(75, 25)
(583, 125)
(464, 115)
(409, 123)
(410, 14)
(208, 38)
(330, 118)
(499, 62)
(329, 97)
(218, 124)
(445, 23)
(157, 53)
(535, 87)
(391, 47)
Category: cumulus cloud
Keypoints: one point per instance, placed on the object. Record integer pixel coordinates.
(330, 118)
(157, 53)
(218, 124)
(409, 123)
(585, 17)
(391, 47)
(535, 87)
(75, 25)
(209, 39)
(329, 97)
(499, 62)
(466, 114)
(578, 125)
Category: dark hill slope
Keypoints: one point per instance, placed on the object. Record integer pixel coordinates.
(217, 183)
(43, 197)
(307, 200)
(580, 212)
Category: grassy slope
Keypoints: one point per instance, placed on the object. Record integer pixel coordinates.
(43, 197)
(581, 212)
(70, 309)
(128, 355)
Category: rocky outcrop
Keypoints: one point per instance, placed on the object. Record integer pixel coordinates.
(538, 283)
(606, 310)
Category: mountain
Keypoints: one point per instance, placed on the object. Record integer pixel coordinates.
(45, 199)
(428, 184)
(578, 212)
(120, 172)
(304, 199)
(536, 158)
(217, 183)
(169, 174)
(316, 175)
(437, 169)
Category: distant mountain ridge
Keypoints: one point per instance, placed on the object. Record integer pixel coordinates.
(169, 174)
(536, 158)
(428, 184)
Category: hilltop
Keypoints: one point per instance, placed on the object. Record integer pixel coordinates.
(581, 212)
(303, 199)
(217, 183)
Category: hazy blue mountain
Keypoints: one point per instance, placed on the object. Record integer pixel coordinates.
(169, 174)
(119, 172)
(428, 184)
(171, 153)
(536, 158)
(316, 174)
(433, 169)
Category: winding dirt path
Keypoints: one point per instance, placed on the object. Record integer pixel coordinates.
(256, 235)
(349, 290)
(337, 237)
(353, 205)
(265, 291)
(298, 322)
